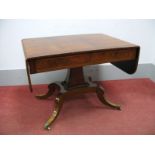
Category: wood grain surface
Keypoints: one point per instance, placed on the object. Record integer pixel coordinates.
(70, 44)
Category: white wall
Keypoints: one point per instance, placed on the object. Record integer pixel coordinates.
(141, 32)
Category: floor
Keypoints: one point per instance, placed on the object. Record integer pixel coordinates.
(22, 113)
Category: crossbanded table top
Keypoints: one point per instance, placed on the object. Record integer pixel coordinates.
(71, 44)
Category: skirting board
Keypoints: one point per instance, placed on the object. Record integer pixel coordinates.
(97, 72)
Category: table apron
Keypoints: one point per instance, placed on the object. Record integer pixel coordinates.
(82, 59)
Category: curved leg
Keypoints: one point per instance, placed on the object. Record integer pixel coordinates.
(55, 113)
(51, 89)
(100, 94)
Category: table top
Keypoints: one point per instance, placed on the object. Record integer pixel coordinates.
(71, 44)
(72, 51)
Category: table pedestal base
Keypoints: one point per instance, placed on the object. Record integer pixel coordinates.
(75, 84)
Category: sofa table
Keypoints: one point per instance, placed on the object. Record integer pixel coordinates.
(73, 52)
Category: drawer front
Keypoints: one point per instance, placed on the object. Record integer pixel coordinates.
(48, 64)
(83, 59)
(113, 56)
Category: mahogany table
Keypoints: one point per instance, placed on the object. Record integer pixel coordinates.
(73, 52)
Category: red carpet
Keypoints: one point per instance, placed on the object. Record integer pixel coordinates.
(22, 113)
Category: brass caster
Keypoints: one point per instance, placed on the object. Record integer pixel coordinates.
(57, 99)
(47, 127)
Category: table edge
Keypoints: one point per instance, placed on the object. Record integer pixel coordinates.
(80, 52)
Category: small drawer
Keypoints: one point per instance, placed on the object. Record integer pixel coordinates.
(56, 63)
(113, 56)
